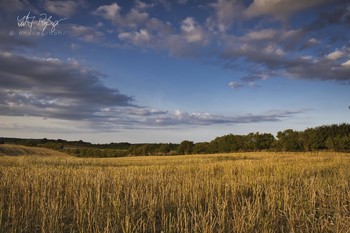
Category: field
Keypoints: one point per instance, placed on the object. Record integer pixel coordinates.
(241, 192)
(18, 150)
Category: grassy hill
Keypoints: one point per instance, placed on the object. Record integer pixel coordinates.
(18, 150)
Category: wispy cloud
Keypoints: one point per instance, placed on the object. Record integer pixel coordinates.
(85, 33)
(179, 117)
(234, 84)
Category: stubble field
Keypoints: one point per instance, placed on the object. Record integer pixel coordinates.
(242, 192)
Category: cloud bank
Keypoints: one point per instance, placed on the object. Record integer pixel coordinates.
(54, 88)
(67, 90)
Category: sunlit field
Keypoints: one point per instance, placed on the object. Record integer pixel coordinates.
(242, 192)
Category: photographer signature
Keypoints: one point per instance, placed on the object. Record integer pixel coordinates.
(44, 21)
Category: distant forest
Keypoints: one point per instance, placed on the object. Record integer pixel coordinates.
(329, 137)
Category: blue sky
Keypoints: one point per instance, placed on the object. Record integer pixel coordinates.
(166, 71)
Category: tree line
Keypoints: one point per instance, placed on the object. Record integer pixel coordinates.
(334, 137)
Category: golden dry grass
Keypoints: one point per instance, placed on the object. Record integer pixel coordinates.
(244, 192)
(19, 150)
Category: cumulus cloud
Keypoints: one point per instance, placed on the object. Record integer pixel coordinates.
(135, 26)
(137, 38)
(271, 50)
(192, 32)
(335, 55)
(109, 12)
(132, 19)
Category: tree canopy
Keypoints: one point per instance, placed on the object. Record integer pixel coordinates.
(328, 137)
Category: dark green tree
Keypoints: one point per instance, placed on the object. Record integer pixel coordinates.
(185, 147)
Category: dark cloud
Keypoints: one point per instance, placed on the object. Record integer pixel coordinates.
(9, 40)
(54, 88)
(268, 59)
(15, 5)
(340, 15)
(9, 30)
(319, 70)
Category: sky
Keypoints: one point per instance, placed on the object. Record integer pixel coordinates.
(171, 70)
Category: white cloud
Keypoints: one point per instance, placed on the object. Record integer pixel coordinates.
(133, 19)
(346, 64)
(137, 38)
(234, 84)
(179, 117)
(279, 8)
(109, 12)
(273, 50)
(264, 34)
(313, 41)
(192, 31)
(335, 55)
(136, 27)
